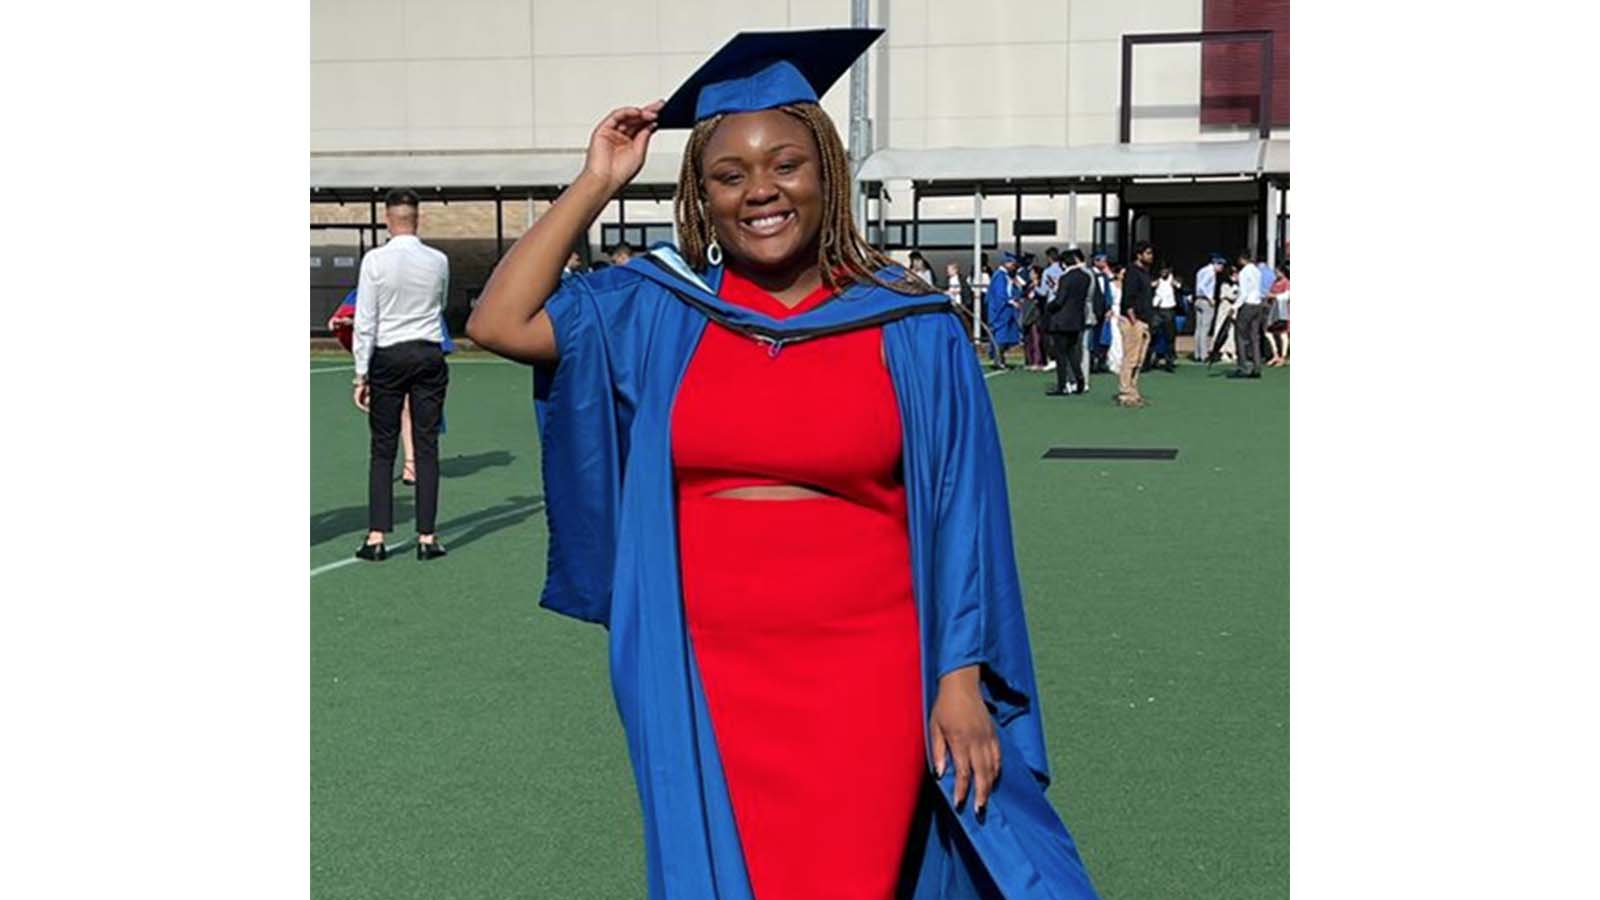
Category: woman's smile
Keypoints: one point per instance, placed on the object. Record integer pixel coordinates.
(768, 224)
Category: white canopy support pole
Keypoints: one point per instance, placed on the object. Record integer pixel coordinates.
(1272, 226)
(977, 263)
(859, 147)
(883, 201)
(1072, 220)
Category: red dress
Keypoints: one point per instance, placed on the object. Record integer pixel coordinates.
(800, 612)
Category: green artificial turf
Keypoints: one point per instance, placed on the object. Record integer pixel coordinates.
(464, 742)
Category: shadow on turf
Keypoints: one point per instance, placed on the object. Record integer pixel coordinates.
(463, 530)
(462, 466)
(351, 521)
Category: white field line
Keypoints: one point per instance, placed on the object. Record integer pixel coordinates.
(341, 563)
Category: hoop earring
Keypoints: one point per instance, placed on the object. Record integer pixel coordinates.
(713, 249)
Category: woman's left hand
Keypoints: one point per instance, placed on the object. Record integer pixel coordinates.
(962, 730)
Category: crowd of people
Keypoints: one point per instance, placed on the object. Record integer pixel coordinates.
(1075, 316)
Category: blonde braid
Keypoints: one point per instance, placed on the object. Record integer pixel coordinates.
(694, 230)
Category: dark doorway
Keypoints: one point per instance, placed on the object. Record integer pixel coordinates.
(1185, 236)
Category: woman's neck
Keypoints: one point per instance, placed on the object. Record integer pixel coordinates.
(788, 286)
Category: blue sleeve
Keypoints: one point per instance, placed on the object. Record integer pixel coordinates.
(998, 294)
(447, 345)
(977, 592)
(585, 406)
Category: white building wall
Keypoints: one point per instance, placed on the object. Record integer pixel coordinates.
(421, 75)
(517, 74)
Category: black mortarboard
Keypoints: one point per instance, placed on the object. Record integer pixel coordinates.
(758, 70)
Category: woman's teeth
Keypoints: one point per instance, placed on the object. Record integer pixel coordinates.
(768, 221)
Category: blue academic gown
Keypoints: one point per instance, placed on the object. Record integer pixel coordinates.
(626, 336)
(1103, 330)
(998, 310)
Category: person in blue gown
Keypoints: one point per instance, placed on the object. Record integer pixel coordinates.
(609, 349)
(1001, 306)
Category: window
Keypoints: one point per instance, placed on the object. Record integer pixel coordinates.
(1108, 236)
(1230, 74)
(640, 237)
(934, 234)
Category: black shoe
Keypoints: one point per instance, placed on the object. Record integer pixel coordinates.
(373, 552)
(1052, 392)
(1254, 375)
(1170, 368)
(1236, 373)
(432, 550)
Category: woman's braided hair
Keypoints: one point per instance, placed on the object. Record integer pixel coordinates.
(840, 248)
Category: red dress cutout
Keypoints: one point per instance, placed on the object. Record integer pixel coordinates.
(800, 612)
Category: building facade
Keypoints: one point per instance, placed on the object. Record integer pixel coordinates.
(485, 107)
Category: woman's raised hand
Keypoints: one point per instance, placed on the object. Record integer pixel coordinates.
(617, 147)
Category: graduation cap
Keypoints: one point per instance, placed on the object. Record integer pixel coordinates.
(758, 70)
(1008, 256)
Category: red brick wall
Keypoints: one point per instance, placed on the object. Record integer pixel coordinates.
(1230, 74)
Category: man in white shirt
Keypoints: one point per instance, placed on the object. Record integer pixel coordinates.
(1248, 320)
(1164, 326)
(1205, 304)
(400, 297)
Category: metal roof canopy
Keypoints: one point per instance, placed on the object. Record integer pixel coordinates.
(359, 178)
(542, 175)
(507, 192)
(958, 170)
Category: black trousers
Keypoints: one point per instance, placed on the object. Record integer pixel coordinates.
(413, 369)
(1065, 345)
(1163, 324)
(1247, 337)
